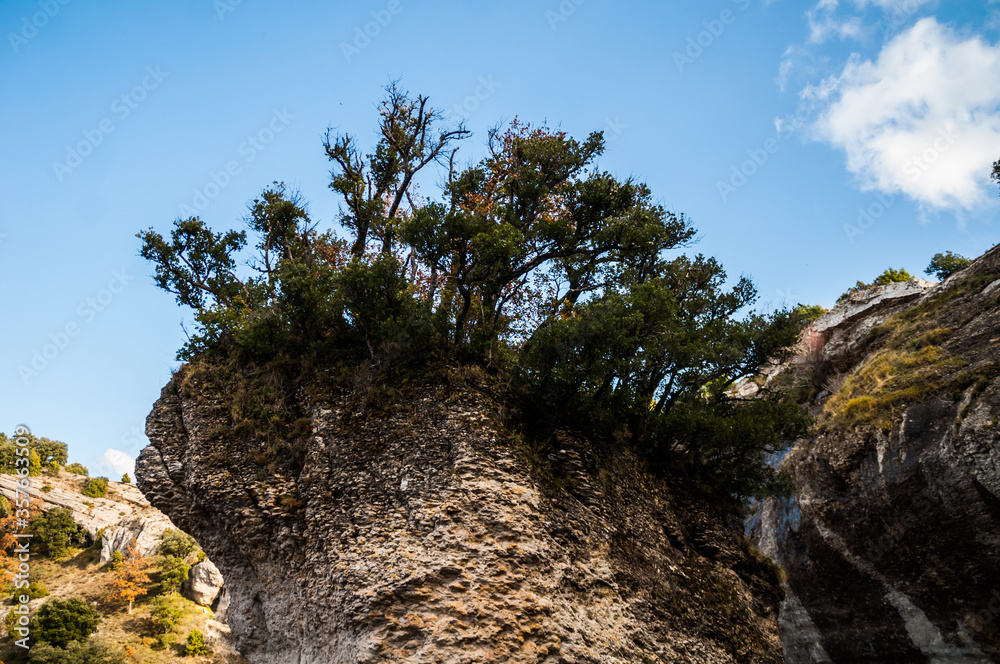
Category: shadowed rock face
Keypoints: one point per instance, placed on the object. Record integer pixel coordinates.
(423, 535)
(892, 543)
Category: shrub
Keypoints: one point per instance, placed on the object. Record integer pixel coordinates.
(61, 621)
(116, 561)
(92, 651)
(95, 487)
(944, 265)
(37, 590)
(809, 312)
(47, 488)
(78, 469)
(56, 531)
(173, 572)
(126, 479)
(196, 644)
(177, 543)
(164, 616)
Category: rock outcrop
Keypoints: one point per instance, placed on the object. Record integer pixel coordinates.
(891, 544)
(427, 533)
(204, 583)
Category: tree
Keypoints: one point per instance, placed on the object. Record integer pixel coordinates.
(564, 282)
(173, 572)
(809, 312)
(889, 276)
(177, 543)
(116, 560)
(56, 531)
(126, 479)
(60, 621)
(130, 577)
(196, 644)
(944, 265)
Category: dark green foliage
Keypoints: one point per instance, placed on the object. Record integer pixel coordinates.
(95, 487)
(55, 531)
(944, 265)
(126, 479)
(60, 621)
(177, 543)
(564, 282)
(92, 651)
(173, 572)
(78, 469)
(196, 644)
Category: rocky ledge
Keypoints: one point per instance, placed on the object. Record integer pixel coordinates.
(892, 544)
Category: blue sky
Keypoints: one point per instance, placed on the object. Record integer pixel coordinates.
(811, 144)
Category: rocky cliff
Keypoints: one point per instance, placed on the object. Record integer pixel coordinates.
(427, 532)
(892, 543)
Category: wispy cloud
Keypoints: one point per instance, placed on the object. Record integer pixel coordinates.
(921, 118)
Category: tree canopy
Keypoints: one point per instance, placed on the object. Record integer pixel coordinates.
(943, 265)
(568, 282)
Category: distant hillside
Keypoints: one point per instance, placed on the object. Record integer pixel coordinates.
(96, 531)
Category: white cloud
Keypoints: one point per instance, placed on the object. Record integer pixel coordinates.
(120, 462)
(922, 119)
(823, 25)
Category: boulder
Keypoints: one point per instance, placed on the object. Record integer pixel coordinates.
(204, 583)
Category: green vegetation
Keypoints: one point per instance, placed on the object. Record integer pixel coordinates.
(92, 651)
(164, 615)
(78, 469)
(55, 532)
(60, 621)
(565, 285)
(116, 560)
(126, 479)
(178, 544)
(944, 265)
(809, 312)
(196, 644)
(173, 572)
(95, 487)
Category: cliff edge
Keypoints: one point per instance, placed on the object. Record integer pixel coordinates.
(427, 532)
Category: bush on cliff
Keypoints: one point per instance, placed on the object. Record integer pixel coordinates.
(564, 282)
(55, 532)
(60, 621)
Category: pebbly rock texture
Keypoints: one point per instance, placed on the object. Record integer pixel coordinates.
(423, 534)
(892, 543)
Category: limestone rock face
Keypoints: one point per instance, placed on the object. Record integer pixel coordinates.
(892, 543)
(204, 583)
(125, 502)
(423, 534)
